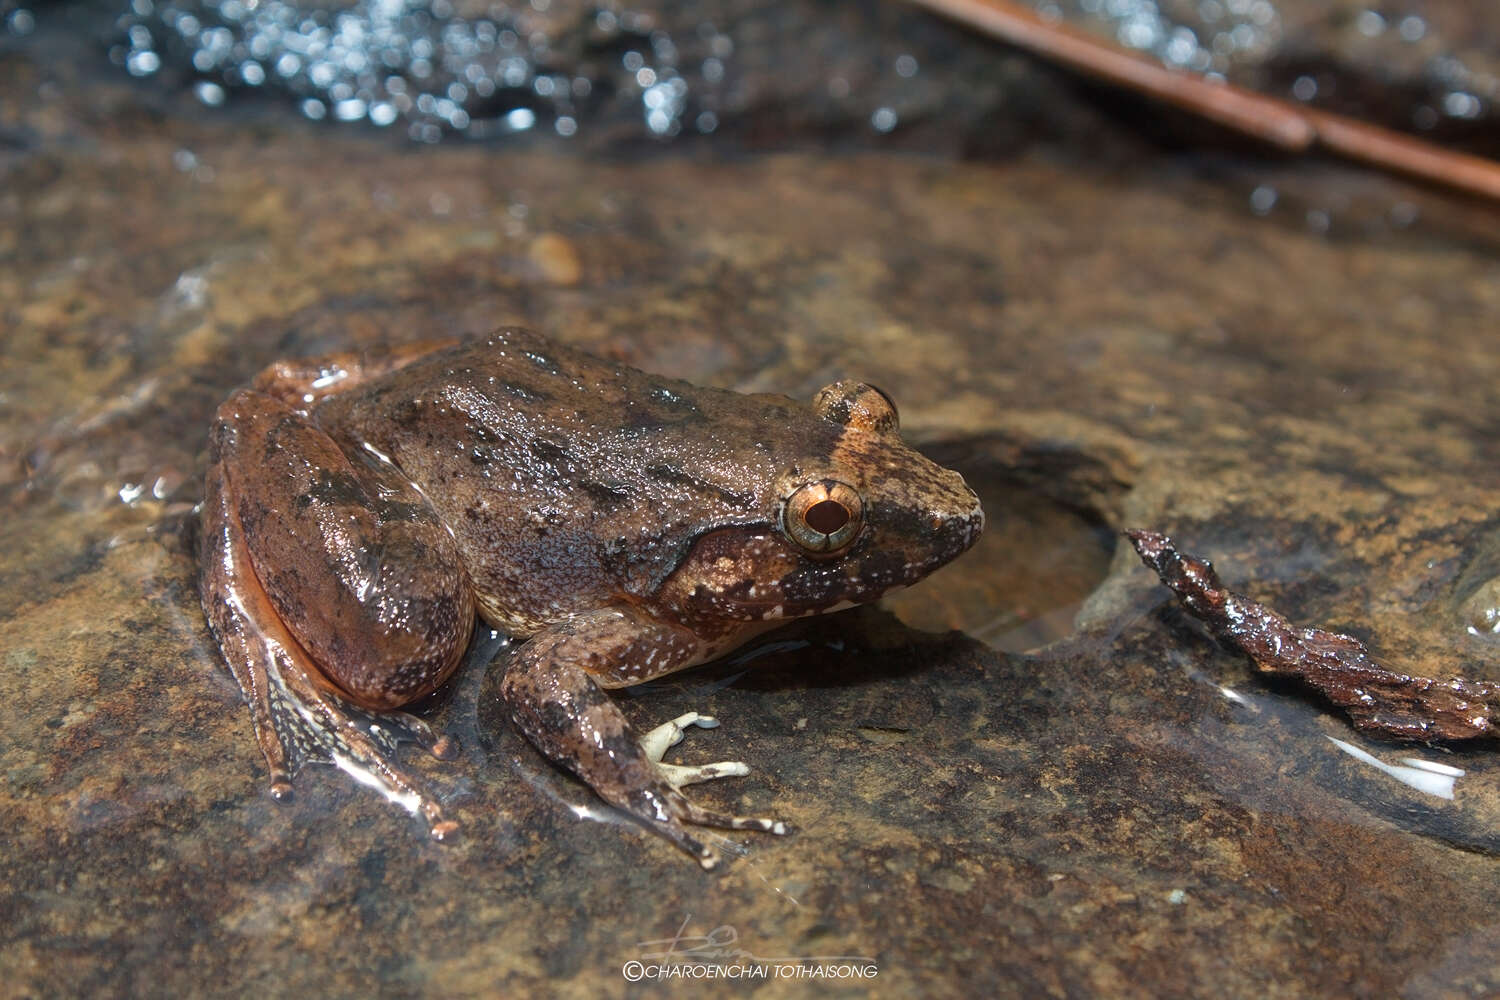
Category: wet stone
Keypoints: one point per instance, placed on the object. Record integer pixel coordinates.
(1117, 806)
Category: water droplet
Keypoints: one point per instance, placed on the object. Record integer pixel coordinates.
(142, 62)
(382, 113)
(20, 22)
(1262, 200)
(349, 110)
(1461, 105)
(1369, 23)
(1404, 214)
(377, 59)
(208, 92)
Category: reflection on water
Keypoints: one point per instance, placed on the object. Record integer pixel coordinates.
(1280, 749)
(1429, 777)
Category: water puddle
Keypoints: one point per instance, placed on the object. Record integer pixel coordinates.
(1282, 750)
(1025, 579)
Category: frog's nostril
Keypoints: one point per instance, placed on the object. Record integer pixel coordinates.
(963, 529)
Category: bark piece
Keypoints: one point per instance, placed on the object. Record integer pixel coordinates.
(1381, 702)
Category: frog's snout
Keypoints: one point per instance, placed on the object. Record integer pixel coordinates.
(956, 532)
(973, 524)
(957, 524)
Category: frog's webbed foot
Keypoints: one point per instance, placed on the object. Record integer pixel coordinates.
(312, 724)
(556, 702)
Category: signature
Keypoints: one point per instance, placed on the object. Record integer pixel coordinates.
(719, 946)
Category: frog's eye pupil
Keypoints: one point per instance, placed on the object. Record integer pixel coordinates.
(827, 516)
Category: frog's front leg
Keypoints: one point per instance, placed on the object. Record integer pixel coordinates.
(335, 593)
(552, 693)
(658, 741)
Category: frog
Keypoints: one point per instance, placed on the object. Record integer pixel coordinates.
(364, 511)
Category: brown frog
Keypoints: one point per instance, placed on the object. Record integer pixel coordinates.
(360, 511)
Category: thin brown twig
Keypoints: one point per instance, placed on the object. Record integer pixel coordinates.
(1269, 119)
(1403, 154)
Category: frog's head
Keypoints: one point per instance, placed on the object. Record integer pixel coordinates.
(856, 515)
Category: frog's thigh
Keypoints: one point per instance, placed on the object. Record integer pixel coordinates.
(550, 688)
(352, 558)
(294, 714)
(306, 381)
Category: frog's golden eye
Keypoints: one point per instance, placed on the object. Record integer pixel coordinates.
(857, 404)
(823, 517)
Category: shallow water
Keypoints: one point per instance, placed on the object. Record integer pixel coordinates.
(1076, 793)
(1025, 580)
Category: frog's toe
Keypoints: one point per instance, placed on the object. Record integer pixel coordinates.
(678, 775)
(707, 857)
(305, 722)
(445, 747)
(405, 726)
(694, 813)
(669, 734)
(664, 810)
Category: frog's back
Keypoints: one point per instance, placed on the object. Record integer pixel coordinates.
(569, 480)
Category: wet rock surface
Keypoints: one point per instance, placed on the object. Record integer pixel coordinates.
(1128, 810)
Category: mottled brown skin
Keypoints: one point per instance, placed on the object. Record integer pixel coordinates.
(358, 512)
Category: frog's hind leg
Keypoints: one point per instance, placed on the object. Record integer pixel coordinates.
(554, 699)
(303, 383)
(261, 591)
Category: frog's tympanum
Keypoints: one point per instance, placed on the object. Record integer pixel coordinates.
(360, 512)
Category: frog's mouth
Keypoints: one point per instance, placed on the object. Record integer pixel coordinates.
(883, 561)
